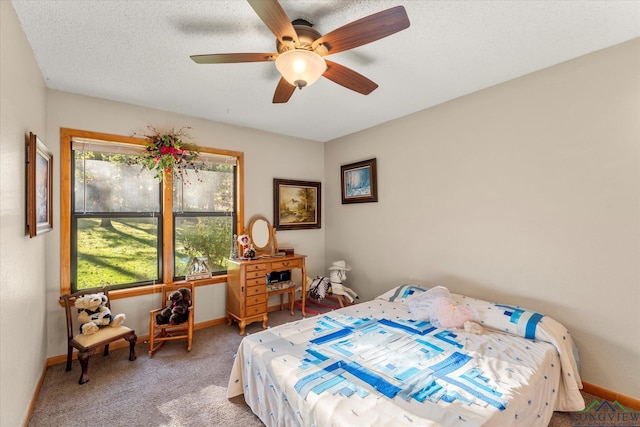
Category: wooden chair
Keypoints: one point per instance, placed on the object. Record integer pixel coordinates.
(284, 288)
(87, 344)
(161, 333)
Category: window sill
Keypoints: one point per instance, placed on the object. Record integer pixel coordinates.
(152, 289)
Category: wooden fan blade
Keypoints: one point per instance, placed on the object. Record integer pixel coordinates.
(284, 90)
(366, 30)
(348, 78)
(276, 19)
(230, 58)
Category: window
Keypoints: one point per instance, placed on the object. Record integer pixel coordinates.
(115, 217)
(204, 216)
(124, 228)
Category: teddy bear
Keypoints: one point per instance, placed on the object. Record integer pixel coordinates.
(178, 309)
(94, 314)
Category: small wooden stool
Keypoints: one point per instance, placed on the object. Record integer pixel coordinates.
(290, 289)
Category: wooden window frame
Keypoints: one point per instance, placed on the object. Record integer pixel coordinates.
(66, 137)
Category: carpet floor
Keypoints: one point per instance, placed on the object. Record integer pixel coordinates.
(174, 388)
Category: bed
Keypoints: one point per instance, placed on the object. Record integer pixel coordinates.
(374, 364)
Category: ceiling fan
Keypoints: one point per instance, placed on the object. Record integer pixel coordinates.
(301, 49)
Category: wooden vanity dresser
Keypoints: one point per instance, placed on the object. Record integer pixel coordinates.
(247, 288)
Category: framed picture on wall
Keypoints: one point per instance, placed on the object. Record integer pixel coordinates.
(39, 187)
(296, 204)
(359, 182)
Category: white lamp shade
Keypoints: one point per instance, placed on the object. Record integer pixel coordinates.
(300, 67)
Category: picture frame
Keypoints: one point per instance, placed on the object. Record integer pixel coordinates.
(359, 182)
(39, 187)
(296, 204)
(198, 269)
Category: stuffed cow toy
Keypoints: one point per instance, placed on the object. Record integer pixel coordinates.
(94, 314)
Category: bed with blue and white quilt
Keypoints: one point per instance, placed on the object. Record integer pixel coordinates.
(379, 364)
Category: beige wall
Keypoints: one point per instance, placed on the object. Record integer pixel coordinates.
(264, 153)
(527, 192)
(29, 268)
(22, 260)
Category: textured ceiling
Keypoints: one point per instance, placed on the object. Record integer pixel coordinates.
(138, 51)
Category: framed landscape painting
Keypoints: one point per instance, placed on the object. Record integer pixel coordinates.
(39, 187)
(296, 204)
(359, 182)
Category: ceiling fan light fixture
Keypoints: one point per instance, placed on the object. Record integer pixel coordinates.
(300, 67)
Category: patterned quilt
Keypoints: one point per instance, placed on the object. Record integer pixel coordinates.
(375, 364)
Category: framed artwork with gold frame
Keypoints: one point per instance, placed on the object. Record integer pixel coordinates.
(39, 187)
(296, 204)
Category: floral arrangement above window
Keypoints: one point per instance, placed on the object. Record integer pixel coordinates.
(168, 153)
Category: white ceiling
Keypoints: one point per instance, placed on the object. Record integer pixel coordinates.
(138, 51)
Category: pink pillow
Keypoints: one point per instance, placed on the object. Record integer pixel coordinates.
(448, 314)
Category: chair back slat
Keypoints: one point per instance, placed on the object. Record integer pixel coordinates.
(67, 310)
(167, 289)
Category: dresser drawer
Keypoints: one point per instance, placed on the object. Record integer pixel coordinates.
(285, 265)
(257, 281)
(256, 299)
(256, 275)
(252, 310)
(256, 290)
(256, 267)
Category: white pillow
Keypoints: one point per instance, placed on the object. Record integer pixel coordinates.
(402, 293)
(422, 305)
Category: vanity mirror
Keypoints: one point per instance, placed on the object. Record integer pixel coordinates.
(263, 236)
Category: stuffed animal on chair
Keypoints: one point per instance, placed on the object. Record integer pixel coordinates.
(178, 309)
(94, 314)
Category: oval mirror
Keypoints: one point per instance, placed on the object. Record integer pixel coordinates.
(261, 235)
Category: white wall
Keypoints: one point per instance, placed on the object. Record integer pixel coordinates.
(22, 260)
(266, 156)
(527, 192)
(30, 268)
